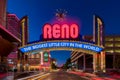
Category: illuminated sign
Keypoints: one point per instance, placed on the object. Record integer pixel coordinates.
(58, 31)
(61, 44)
(46, 56)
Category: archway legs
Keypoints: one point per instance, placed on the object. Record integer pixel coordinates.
(95, 65)
(99, 62)
(103, 67)
(22, 62)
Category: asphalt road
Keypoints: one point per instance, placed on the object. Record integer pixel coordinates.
(61, 75)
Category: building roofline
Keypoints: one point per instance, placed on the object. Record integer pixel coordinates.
(14, 15)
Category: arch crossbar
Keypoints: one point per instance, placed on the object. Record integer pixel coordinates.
(62, 45)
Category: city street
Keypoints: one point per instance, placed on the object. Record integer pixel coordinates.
(61, 75)
(54, 75)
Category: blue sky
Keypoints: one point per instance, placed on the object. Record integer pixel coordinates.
(43, 11)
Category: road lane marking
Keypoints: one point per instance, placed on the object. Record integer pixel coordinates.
(44, 77)
(36, 78)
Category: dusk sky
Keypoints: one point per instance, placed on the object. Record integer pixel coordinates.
(43, 11)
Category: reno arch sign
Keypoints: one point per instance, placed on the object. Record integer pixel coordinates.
(61, 37)
(58, 31)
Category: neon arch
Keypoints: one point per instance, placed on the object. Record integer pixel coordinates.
(62, 45)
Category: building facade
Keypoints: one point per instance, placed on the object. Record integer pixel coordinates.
(112, 49)
(38, 61)
(84, 61)
(34, 61)
(8, 41)
(13, 27)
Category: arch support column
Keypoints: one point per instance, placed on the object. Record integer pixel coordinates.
(99, 62)
(103, 66)
(96, 63)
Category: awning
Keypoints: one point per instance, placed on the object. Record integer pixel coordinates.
(5, 47)
(6, 39)
(7, 35)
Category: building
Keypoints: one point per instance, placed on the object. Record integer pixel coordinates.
(13, 25)
(14, 28)
(3, 12)
(34, 61)
(112, 49)
(45, 60)
(8, 41)
(84, 61)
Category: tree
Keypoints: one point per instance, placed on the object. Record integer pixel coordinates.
(67, 65)
(53, 66)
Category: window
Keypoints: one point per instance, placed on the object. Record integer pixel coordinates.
(117, 44)
(117, 39)
(108, 39)
(108, 44)
(117, 50)
(109, 50)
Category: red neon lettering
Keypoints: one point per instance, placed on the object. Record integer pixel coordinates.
(56, 31)
(74, 31)
(47, 32)
(65, 31)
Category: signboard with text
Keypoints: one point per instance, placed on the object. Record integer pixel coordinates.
(62, 44)
(61, 36)
(46, 56)
(60, 32)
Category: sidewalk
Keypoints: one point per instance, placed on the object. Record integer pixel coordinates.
(14, 75)
(90, 76)
(2, 75)
(7, 76)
